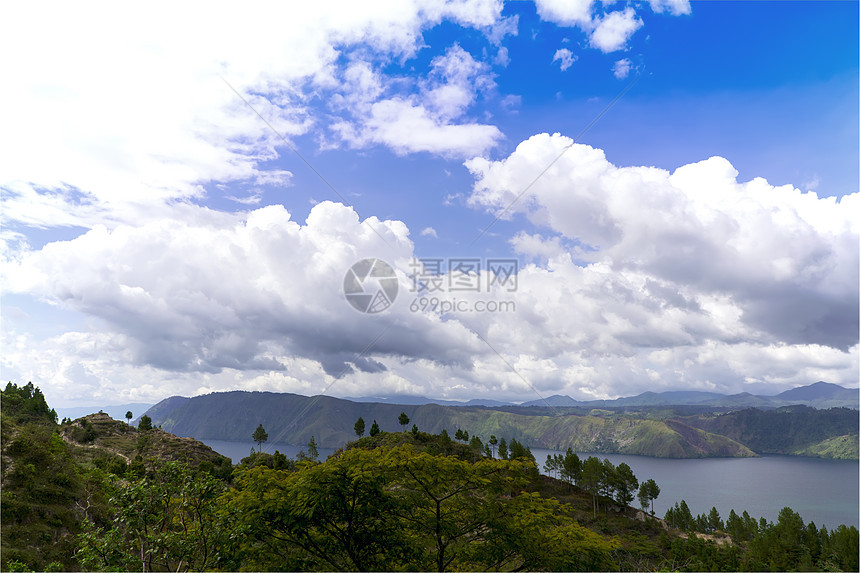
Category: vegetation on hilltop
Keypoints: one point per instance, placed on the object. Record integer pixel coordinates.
(82, 495)
(54, 476)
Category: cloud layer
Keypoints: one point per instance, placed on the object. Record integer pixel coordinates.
(635, 278)
(643, 279)
(111, 124)
(784, 262)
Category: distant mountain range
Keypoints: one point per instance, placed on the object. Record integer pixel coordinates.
(652, 428)
(817, 395)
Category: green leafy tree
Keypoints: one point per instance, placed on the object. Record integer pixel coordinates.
(313, 451)
(164, 522)
(259, 436)
(592, 474)
(145, 423)
(129, 416)
(28, 403)
(403, 419)
(414, 429)
(608, 478)
(476, 444)
(503, 449)
(534, 533)
(571, 467)
(458, 435)
(648, 492)
(550, 466)
(359, 427)
(493, 442)
(374, 428)
(517, 451)
(406, 509)
(626, 484)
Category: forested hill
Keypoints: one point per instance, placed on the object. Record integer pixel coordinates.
(293, 419)
(400, 501)
(796, 430)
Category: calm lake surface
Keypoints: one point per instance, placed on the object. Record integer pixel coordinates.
(824, 491)
(238, 450)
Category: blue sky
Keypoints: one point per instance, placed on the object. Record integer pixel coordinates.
(160, 238)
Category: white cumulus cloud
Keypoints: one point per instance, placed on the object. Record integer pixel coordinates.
(621, 68)
(613, 30)
(114, 123)
(565, 56)
(786, 260)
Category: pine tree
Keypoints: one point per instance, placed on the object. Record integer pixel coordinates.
(260, 436)
(359, 427)
(503, 449)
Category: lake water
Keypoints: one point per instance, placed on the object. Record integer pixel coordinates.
(238, 450)
(824, 491)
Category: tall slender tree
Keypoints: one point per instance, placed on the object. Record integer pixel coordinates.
(648, 492)
(260, 436)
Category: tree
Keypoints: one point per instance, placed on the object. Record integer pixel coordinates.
(517, 451)
(414, 429)
(503, 449)
(313, 452)
(165, 522)
(625, 484)
(403, 419)
(260, 436)
(493, 442)
(715, 522)
(550, 466)
(328, 516)
(680, 516)
(592, 472)
(648, 492)
(145, 423)
(607, 478)
(571, 467)
(374, 428)
(359, 427)
(476, 444)
(402, 508)
(129, 416)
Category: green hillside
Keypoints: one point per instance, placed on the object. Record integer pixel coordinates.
(798, 430)
(54, 476)
(294, 419)
(840, 448)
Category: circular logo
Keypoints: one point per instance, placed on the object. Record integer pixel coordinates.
(370, 286)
